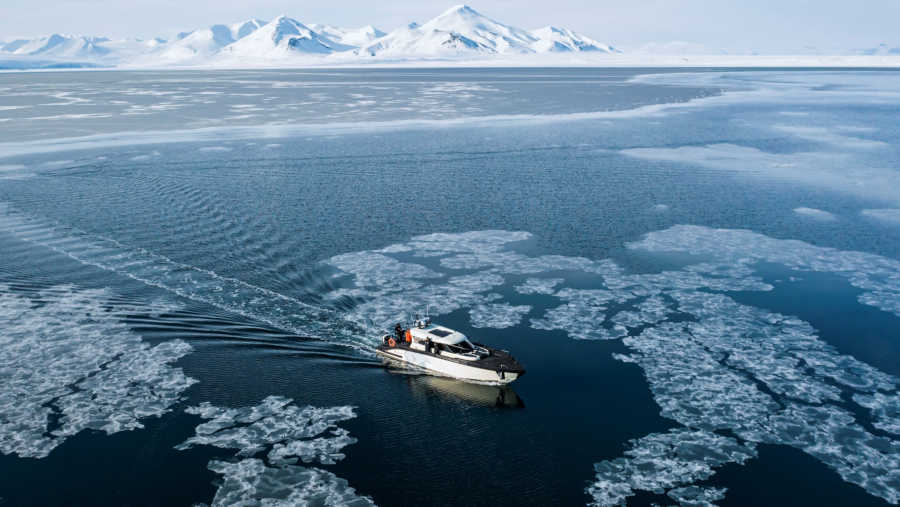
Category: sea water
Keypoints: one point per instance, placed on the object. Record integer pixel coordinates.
(700, 270)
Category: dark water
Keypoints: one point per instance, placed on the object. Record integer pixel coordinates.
(251, 243)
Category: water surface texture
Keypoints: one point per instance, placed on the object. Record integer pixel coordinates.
(700, 271)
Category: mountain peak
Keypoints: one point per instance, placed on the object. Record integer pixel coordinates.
(461, 10)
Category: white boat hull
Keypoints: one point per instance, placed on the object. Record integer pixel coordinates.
(443, 367)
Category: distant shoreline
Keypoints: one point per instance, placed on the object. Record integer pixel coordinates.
(602, 61)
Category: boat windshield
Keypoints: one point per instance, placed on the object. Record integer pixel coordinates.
(462, 347)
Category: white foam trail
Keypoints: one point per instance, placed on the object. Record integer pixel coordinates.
(257, 303)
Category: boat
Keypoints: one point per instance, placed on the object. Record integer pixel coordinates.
(443, 351)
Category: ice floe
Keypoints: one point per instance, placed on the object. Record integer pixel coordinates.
(712, 364)
(465, 242)
(768, 378)
(292, 432)
(835, 169)
(497, 316)
(668, 463)
(878, 276)
(695, 496)
(650, 311)
(70, 363)
(288, 434)
(583, 316)
(885, 410)
(832, 136)
(145, 157)
(251, 482)
(539, 286)
(889, 215)
(815, 214)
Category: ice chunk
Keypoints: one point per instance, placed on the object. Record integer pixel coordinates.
(71, 364)
(667, 462)
(768, 379)
(289, 433)
(497, 316)
(539, 286)
(831, 435)
(878, 276)
(815, 214)
(251, 482)
(650, 311)
(474, 241)
(584, 314)
(888, 215)
(695, 496)
(292, 432)
(885, 410)
(370, 269)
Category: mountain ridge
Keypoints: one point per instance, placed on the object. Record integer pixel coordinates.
(460, 31)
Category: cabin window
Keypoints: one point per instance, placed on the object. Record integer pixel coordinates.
(440, 332)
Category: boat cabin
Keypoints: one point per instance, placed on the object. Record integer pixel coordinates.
(442, 341)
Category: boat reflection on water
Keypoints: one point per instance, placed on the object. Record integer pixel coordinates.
(476, 394)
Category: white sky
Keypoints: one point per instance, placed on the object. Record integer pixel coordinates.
(763, 25)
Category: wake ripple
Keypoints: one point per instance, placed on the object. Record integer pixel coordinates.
(263, 305)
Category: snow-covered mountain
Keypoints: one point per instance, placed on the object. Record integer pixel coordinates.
(355, 37)
(59, 46)
(461, 31)
(243, 29)
(551, 38)
(282, 37)
(199, 43)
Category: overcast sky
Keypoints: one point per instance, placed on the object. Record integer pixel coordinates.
(763, 25)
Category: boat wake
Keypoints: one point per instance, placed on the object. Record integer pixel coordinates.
(259, 304)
